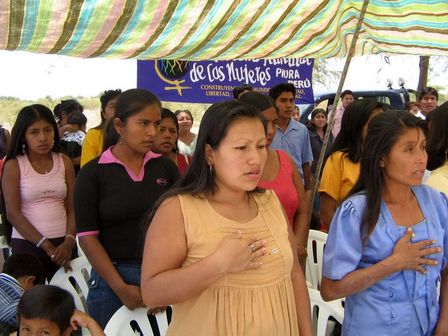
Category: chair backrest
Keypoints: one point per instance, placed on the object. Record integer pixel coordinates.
(80, 250)
(75, 281)
(321, 311)
(126, 322)
(315, 248)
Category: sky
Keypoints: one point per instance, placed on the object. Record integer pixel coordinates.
(32, 76)
(373, 72)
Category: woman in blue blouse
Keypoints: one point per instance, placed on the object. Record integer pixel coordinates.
(388, 242)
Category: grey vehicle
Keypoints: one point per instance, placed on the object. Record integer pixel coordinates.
(396, 98)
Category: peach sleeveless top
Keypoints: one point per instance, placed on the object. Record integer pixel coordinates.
(254, 302)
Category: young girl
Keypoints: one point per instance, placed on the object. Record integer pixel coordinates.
(220, 250)
(112, 194)
(37, 186)
(317, 128)
(165, 141)
(50, 310)
(388, 243)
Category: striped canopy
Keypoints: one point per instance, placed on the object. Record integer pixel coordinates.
(222, 29)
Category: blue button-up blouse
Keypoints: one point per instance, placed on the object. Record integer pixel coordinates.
(406, 302)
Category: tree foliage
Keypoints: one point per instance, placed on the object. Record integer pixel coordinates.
(323, 75)
(10, 106)
(432, 67)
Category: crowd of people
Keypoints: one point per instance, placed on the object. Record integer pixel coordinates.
(216, 224)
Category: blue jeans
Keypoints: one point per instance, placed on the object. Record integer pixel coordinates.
(102, 302)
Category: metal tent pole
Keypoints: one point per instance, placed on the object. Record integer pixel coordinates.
(333, 109)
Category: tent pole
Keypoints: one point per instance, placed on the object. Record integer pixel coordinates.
(316, 179)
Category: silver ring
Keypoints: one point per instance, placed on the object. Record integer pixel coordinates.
(253, 247)
(63, 262)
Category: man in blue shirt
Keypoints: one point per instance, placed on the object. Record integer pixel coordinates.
(292, 136)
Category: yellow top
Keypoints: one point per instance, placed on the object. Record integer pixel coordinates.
(439, 178)
(92, 145)
(339, 176)
(251, 303)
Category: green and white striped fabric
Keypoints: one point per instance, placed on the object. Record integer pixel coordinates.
(222, 29)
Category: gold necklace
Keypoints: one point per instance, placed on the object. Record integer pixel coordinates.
(43, 170)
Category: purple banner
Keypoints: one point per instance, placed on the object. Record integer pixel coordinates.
(213, 81)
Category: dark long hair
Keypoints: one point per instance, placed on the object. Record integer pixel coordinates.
(129, 102)
(437, 144)
(355, 117)
(213, 129)
(383, 132)
(26, 117)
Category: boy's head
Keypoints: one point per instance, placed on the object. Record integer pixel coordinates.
(427, 100)
(45, 308)
(25, 268)
(79, 119)
(284, 96)
(346, 98)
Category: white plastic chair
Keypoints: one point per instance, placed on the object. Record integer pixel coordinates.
(80, 250)
(321, 311)
(315, 248)
(75, 281)
(123, 322)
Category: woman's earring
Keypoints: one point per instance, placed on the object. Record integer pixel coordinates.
(210, 169)
(23, 148)
(121, 139)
